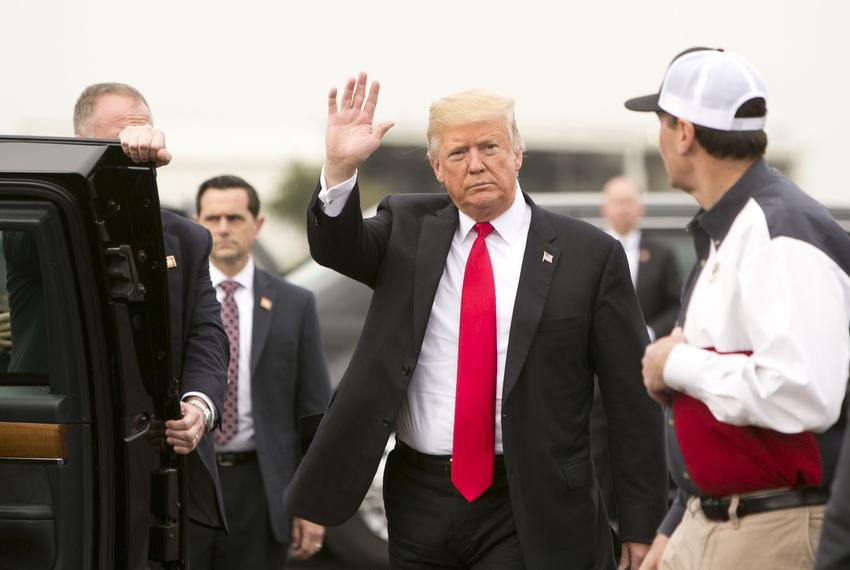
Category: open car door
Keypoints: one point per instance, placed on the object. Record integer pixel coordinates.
(85, 478)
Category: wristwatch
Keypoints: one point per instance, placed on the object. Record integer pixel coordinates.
(208, 417)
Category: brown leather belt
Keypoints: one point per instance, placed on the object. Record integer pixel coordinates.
(718, 509)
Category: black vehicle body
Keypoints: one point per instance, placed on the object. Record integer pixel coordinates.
(86, 479)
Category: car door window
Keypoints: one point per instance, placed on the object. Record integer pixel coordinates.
(25, 360)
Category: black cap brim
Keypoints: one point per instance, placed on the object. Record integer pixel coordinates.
(647, 103)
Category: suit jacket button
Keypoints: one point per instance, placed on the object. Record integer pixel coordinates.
(405, 371)
(386, 422)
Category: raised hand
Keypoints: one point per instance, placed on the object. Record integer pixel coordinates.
(351, 137)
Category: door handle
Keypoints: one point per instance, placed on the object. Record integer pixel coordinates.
(141, 426)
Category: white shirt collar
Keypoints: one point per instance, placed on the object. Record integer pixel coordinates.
(630, 240)
(508, 225)
(245, 277)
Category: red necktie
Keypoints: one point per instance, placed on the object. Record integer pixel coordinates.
(230, 320)
(475, 396)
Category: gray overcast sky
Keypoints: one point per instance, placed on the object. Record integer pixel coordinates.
(246, 81)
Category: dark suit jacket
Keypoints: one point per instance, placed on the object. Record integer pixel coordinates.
(199, 351)
(658, 290)
(659, 286)
(834, 547)
(574, 316)
(289, 380)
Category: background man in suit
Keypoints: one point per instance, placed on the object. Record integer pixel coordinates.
(488, 320)
(652, 265)
(199, 343)
(277, 376)
(657, 281)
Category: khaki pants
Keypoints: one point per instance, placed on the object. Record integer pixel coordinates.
(775, 540)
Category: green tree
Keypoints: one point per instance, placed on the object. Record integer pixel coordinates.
(297, 187)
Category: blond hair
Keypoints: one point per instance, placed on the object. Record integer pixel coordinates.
(87, 102)
(472, 106)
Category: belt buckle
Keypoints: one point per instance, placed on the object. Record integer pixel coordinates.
(714, 509)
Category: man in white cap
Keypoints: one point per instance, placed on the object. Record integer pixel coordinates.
(753, 378)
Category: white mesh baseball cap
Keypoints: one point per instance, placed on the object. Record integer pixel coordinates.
(706, 87)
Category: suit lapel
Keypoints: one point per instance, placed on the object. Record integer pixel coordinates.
(262, 317)
(435, 239)
(531, 294)
(174, 275)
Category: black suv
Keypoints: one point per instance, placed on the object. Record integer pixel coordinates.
(87, 481)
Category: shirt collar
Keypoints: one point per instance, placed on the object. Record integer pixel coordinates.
(630, 240)
(717, 220)
(245, 277)
(508, 225)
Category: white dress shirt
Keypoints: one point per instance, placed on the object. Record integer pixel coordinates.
(243, 439)
(631, 245)
(426, 419)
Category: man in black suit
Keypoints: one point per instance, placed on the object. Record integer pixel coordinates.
(278, 375)
(652, 265)
(199, 344)
(658, 283)
(834, 547)
(488, 320)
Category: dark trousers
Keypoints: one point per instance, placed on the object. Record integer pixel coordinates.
(251, 543)
(432, 526)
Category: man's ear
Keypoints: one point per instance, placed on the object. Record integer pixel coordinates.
(438, 170)
(517, 158)
(686, 136)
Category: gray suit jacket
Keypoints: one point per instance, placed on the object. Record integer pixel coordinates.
(289, 380)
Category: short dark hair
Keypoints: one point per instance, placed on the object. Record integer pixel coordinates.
(224, 182)
(733, 144)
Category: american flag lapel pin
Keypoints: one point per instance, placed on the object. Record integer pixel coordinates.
(170, 262)
(547, 257)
